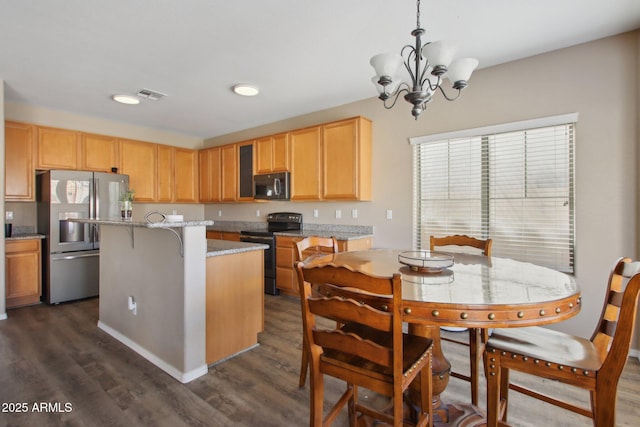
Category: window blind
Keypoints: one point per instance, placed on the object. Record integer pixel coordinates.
(514, 187)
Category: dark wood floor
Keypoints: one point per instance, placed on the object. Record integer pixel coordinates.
(56, 356)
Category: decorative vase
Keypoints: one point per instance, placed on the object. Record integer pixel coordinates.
(126, 210)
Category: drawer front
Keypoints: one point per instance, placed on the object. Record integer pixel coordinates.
(30, 245)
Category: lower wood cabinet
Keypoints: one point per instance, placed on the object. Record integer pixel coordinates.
(235, 303)
(286, 279)
(23, 278)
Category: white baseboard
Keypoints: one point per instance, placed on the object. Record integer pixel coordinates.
(634, 353)
(3, 316)
(183, 377)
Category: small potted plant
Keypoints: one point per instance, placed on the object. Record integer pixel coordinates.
(126, 205)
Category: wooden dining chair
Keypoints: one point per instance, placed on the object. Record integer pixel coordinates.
(594, 364)
(368, 349)
(477, 336)
(311, 245)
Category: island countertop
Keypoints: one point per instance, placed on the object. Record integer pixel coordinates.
(227, 247)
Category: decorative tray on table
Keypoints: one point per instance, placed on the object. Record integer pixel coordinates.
(426, 261)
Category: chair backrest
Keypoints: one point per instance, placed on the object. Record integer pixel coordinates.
(319, 244)
(461, 240)
(353, 313)
(614, 332)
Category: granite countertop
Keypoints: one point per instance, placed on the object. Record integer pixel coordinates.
(227, 247)
(144, 224)
(25, 236)
(340, 232)
(339, 235)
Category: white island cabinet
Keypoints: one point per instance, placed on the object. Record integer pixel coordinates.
(153, 291)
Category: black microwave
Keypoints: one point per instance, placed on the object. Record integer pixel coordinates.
(271, 186)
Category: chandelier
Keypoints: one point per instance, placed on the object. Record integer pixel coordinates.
(427, 66)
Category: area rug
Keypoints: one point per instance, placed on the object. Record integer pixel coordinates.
(449, 415)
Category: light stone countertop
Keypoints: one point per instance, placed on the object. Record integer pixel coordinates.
(25, 236)
(227, 247)
(144, 224)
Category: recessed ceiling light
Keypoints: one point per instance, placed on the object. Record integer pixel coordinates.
(246, 90)
(126, 99)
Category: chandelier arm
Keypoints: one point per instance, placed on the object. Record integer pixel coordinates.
(395, 96)
(405, 62)
(433, 87)
(450, 98)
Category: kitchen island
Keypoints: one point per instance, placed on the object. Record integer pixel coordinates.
(158, 285)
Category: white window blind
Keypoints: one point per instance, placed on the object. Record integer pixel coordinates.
(514, 187)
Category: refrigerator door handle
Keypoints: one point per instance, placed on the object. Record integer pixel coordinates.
(96, 197)
(74, 256)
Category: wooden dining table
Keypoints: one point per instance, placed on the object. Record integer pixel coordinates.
(476, 291)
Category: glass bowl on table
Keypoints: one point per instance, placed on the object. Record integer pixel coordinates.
(426, 261)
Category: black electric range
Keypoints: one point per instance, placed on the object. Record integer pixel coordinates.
(277, 221)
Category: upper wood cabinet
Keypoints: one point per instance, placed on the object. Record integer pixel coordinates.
(177, 174)
(210, 176)
(57, 148)
(346, 159)
(166, 173)
(272, 153)
(229, 168)
(305, 163)
(186, 175)
(19, 171)
(98, 153)
(138, 160)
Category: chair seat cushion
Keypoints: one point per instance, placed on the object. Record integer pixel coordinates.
(548, 345)
(414, 348)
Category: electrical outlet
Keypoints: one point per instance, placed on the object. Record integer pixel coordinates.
(315, 213)
(219, 212)
(258, 212)
(389, 214)
(132, 305)
(354, 213)
(8, 215)
(338, 214)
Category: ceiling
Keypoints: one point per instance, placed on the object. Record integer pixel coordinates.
(305, 55)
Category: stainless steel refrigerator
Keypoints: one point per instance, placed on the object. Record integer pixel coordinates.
(71, 267)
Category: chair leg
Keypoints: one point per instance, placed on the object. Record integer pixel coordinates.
(493, 395)
(475, 354)
(304, 364)
(351, 407)
(316, 409)
(603, 405)
(504, 392)
(426, 391)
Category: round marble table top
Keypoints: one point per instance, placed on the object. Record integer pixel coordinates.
(477, 291)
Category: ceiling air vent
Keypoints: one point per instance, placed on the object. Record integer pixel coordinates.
(151, 94)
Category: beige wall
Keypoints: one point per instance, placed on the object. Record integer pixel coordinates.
(598, 80)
